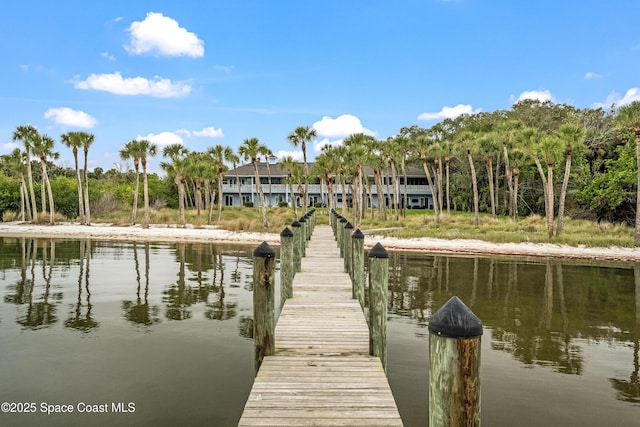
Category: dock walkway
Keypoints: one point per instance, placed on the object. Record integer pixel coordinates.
(321, 373)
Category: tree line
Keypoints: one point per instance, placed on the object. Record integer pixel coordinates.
(544, 158)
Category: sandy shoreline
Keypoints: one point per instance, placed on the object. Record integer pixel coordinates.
(164, 233)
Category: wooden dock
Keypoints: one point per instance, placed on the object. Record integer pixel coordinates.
(321, 373)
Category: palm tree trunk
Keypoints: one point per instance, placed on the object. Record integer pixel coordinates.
(381, 205)
(439, 184)
(306, 177)
(474, 183)
(544, 186)
(403, 166)
(447, 162)
(219, 217)
(394, 186)
(514, 201)
(434, 195)
(507, 172)
(146, 195)
(265, 223)
(32, 193)
(239, 187)
(43, 193)
(563, 194)
(496, 186)
(22, 199)
(134, 209)
(294, 205)
(79, 186)
(344, 196)
(488, 164)
(180, 183)
(550, 200)
(45, 178)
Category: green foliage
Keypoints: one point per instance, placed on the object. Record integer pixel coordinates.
(65, 194)
(612, 195)
(9, 194)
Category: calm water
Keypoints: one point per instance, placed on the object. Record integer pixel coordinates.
(163, 331)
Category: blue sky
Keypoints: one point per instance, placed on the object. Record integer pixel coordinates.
(206, 73)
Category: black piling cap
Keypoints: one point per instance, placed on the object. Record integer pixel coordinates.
(357, 234)
(286, 232)
(296, 224)
(343, 219)
(378, 251)
(348, 226)
(455, 320)
(303, 219)
(264, 251)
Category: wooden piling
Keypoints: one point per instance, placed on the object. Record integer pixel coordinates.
(297, 250)
(378, 296)
(303, 235)
(348, 250)
(357, 268)
(333, 219)
(287, 269)
(264, 267)
(454, 370)
(341, 232)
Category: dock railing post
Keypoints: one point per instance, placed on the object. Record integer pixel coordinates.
(341, 233)
(454, 370)
(358, 266)
(378, 296)
(303, 235)
(297, 250)
(264, 267)
(348, 249)
(334, 216)
(287, 269)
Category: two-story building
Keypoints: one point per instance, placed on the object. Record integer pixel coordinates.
(239, 187)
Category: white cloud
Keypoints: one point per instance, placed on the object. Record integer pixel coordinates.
(449, 112)
(592, 75)
(114, 83)
(163, 138)
(68, 117)
(318, 145)
(630, 96)
(163, 35)
(209, 132)
(8, 147)
(280, 154)
(341, 126)
(536, 95)
(108, 56)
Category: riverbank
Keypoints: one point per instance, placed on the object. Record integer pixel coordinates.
(165, 233)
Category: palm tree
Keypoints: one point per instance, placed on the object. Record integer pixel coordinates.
(377, 163)
(43, 148)
(358, 153)
(467, 141)
(27, 134)
(548, 148)
(629, 117)
(488, 147)
(289, 164)
(251, 149)
(268, 154)
(148, 149)
(220, 156)
(234, 159)
(199, 171)
(300, 137)
(87, 141)
(507, 131)
(421, 146)
(14, 163)
(573, 138)
(133, 150)
(177, 153)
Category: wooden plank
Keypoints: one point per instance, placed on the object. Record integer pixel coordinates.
(321, 373)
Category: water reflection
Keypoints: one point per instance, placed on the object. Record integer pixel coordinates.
(140, 312)
(542, 313)
(80, 318)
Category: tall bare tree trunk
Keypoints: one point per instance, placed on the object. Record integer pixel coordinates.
(563, 194)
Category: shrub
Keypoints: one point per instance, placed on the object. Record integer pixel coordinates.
(248, 204)
(283, 204)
